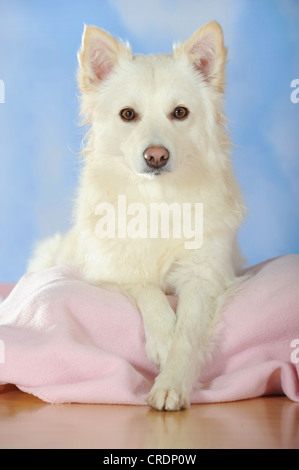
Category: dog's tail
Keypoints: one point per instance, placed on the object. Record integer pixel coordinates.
(46, 253)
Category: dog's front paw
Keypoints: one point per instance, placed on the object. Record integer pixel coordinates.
(157, 348)
(167, 396)
(159, 339)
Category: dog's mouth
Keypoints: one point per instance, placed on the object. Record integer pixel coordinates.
(155, 171)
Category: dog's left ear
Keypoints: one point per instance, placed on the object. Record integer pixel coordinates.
(206, 51)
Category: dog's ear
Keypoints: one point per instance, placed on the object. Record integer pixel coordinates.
(206, 51)
(98, 55)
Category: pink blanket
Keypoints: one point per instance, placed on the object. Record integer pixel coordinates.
(64, 340)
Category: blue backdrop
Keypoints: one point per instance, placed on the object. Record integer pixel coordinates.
(39, 134)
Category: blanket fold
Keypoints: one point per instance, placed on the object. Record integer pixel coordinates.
(66, 341)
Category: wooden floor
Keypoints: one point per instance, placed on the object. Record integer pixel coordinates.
(27, 422)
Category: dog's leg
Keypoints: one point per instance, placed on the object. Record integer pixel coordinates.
(159, 321)
(198, 302)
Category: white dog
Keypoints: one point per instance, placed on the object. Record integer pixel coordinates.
(156, 135)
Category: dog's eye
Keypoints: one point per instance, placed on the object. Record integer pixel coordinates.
(180, 112)
(128, 114)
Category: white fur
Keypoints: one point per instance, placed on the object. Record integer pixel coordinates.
(200, 170)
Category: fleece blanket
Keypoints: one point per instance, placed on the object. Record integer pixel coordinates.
(66, 341)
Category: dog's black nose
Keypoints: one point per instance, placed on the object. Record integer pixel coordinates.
(156, 157)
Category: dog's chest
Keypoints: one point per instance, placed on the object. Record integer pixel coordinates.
(129, 261)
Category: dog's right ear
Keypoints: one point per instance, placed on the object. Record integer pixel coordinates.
(98, 55)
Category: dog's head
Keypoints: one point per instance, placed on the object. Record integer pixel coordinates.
(156, 114)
